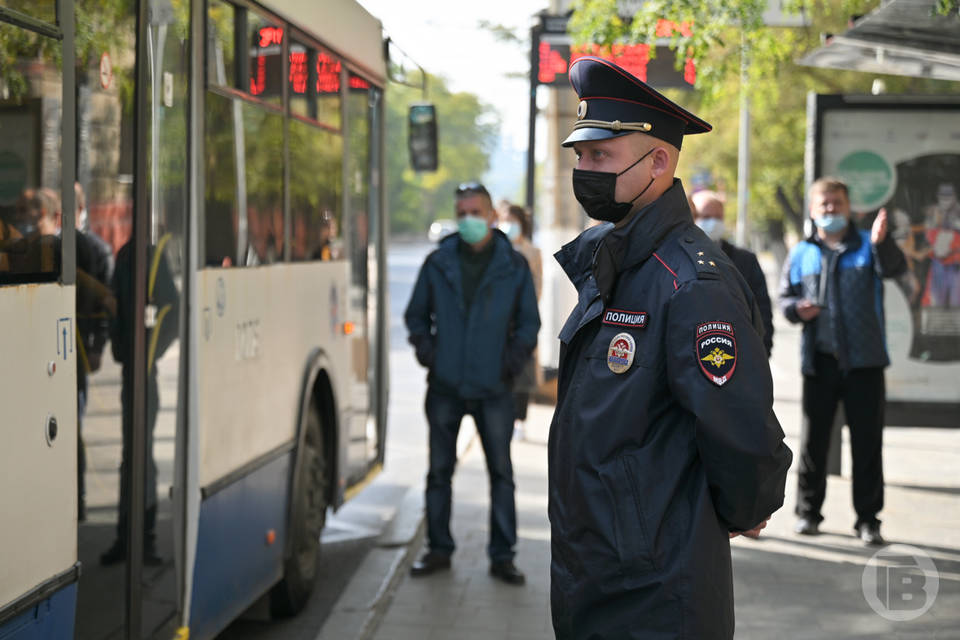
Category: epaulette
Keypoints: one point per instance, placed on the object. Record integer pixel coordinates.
(702, 255)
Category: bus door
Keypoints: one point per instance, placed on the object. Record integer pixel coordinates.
(38, 326)
(131, 92)
(363, 428)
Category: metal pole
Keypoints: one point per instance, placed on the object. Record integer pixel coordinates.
(743, 147)
(532, 134)
(136, 465)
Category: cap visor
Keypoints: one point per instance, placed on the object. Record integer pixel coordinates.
(591, 133)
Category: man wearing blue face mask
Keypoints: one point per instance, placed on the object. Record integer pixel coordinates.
(473, 321)
(707, 209)
(832, 283)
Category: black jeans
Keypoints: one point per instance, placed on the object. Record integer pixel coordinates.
(863, 395)
(494, 418)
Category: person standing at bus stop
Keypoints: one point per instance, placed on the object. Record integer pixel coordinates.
(832, 285)
(473, 321)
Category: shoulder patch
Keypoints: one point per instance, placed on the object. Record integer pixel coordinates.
(716, 351)
(702, 256)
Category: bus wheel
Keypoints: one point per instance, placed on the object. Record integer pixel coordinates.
(291, 594)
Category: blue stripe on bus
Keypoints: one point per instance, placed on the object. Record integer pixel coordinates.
(235, 565)
(49, 619)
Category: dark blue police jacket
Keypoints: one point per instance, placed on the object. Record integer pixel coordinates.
(473, 353)
(664, 439)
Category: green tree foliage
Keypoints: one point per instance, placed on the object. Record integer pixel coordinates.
(467, 130)
(716, 34)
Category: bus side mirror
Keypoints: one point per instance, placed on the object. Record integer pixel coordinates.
(422, 139)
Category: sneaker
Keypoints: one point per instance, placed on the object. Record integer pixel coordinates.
(430, 562)
(807, 527)
(869, 532)
(519, 433)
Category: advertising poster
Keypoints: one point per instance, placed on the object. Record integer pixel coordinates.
(903, 154)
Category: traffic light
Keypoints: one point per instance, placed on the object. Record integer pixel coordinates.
(422, 139)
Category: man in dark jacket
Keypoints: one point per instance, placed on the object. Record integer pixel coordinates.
(832, 283)
(473, 321)
(708, 215)
(664, 443)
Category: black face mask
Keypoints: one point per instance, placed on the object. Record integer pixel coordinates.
(595, 190)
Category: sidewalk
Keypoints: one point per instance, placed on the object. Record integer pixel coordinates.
(786, 586)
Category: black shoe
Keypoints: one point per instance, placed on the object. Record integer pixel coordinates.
(151, 559)
(114, 555)
(508, 572)
(807, 527)
(869, 532)
(430, 562)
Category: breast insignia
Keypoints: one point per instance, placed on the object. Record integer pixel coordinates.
(620, 353)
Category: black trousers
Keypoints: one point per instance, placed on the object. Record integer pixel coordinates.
(864, 396)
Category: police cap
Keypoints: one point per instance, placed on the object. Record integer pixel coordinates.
(614, 103)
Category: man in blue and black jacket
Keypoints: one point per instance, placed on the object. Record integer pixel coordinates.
(473, 320)
(832, 283)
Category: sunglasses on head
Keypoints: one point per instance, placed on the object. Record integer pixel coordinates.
(466, 188)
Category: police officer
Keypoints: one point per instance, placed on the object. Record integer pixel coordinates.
(664, 443)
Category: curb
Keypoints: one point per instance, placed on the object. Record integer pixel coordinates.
(361, 607)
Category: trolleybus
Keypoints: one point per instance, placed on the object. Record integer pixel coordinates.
(192, 305)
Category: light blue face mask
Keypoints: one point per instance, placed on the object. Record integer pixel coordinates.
(511, 230)
(472, 229)
(713, 227)
(831, 223)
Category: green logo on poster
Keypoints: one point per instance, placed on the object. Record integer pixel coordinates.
(869, 177)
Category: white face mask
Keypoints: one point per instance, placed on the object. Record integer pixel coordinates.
(510, 229)
(713, 227)
(946, 202)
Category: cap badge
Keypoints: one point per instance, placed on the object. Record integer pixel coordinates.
(620, 352)
(582, 110)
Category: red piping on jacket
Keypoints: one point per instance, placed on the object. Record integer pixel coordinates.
(675, 287)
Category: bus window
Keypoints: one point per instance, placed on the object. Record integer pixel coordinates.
(358, 99)
(327, 87)
(244, 199)
(221, 183)
(263, 146)
(300, 65)
(29, 159)
(315, 192)
(221, 69)
(265, 41)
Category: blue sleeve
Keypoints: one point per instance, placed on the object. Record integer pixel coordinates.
(790, 292)
(419, 317)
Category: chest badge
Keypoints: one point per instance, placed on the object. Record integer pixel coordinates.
(620, 352)
(717, 351)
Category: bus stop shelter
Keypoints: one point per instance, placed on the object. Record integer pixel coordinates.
(901, 37)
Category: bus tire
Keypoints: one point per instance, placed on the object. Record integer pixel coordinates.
(289, 596)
